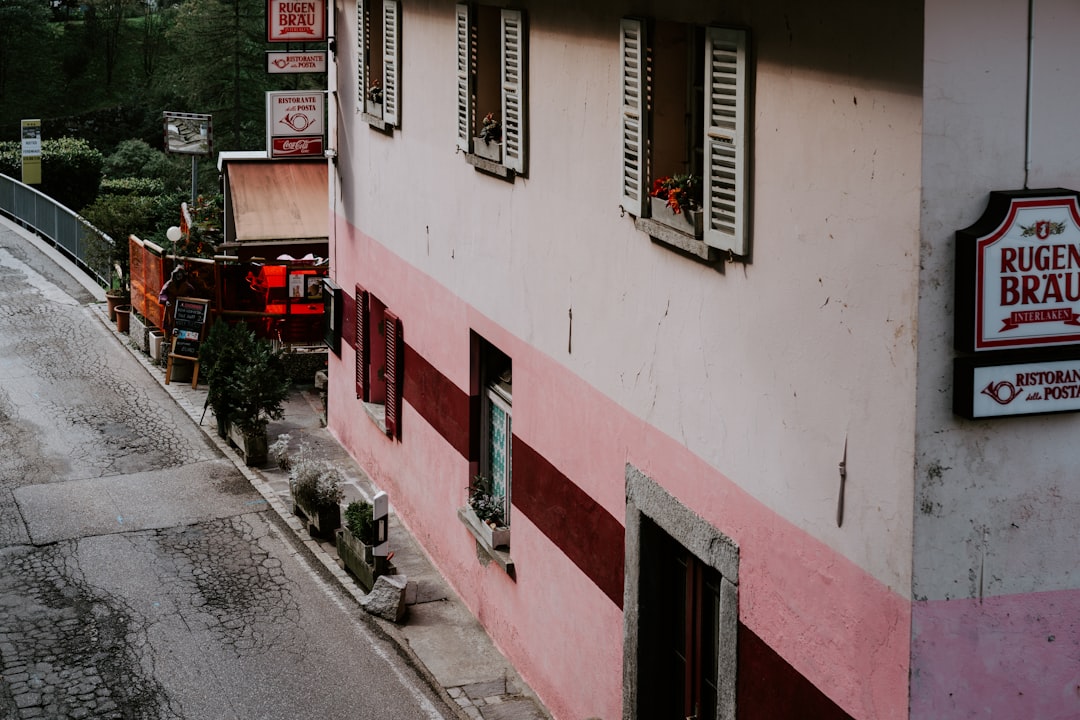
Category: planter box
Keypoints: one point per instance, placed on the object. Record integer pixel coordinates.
(252, 447)
(360, 560)
(488, 150)
(688, 221)
(139, 332)
(494, 537)
(321, 522)
(157, 346)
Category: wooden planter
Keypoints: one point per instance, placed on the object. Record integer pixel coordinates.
(360, 560)
(488, 150)
(688, 221)
(321, 522)
(494, 537)
(251, 446)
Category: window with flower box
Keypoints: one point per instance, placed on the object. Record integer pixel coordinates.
(491, 88)
(487, 514)
(378, 61)
(379, 357)
(684, 134)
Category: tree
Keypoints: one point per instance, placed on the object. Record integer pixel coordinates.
(223, 69)
(110, 16)
(25, 25)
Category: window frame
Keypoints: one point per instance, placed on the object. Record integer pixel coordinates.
(378, 328)
(724, 142)
(385, 115)
(513, 89)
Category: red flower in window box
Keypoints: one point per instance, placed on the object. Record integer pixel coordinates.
(680, 192)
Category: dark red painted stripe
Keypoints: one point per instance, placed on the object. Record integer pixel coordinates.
(769, 687)
(588, 534)
(441, 403)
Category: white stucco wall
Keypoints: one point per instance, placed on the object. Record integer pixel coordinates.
(757, 376)
(997, 501)
(764, 370)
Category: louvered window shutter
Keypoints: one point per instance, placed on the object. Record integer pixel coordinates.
(362, 345)
(361, 50)
(464, 78)
(393, 374)
(725, 140)
(391, 60)
(634, 52)
(513, 89)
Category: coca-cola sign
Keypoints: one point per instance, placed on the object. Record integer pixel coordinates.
(297, 147)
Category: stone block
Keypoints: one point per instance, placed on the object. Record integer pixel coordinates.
(387, 598)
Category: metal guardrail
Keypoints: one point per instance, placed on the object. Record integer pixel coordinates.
(63, 227)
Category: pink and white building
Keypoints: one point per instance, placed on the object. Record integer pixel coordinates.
(733, 479)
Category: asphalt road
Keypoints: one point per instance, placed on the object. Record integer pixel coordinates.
(140, 574)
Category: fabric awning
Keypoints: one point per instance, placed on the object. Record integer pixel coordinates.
(277, 200)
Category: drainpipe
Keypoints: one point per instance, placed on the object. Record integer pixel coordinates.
(1030, 80)
(331, 130)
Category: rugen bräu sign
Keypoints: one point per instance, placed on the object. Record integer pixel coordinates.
(1018, 273)
(296, 21)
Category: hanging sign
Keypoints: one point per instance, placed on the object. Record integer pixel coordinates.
(296, 21)
(1018, 273)
(279, 63)
(295, 123)
(31, 152)
(998, 388)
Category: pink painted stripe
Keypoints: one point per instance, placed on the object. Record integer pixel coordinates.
(1011, 656)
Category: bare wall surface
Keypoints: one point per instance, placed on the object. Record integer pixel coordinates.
(997, 501)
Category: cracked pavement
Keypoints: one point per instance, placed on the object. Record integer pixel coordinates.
(141, 575)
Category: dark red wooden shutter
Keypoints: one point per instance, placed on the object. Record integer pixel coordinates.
(362, 344)
(393, 373)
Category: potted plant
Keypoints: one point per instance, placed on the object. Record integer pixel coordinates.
(375, 97)
(316, 489)
(248, 383)
(115, 296)
(488, 144)
(356, 545)
(484, 514)
(224, 348)
(675, 200)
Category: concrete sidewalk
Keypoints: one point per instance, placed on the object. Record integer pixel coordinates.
(445, 642)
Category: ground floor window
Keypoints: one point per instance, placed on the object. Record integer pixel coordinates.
(681, 609)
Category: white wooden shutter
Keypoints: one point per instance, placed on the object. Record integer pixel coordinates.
(633, 53)
(726, 191)
(464, 78)
(391, 27)
(361, 51)
(513, 89)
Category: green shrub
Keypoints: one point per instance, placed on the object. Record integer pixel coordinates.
(144, 186)
(70, 169)
(359, 521)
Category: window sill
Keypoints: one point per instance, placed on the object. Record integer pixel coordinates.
(501, 557)
(667, 235)
(377, 413)
(490, 167)
(377, 123)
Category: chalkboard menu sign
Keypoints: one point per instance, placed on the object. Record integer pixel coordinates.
(188, 322)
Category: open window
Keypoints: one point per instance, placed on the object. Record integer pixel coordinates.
(378, 61)
(487, 513)
(491, 88)
(685, 154)
(379, 353)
